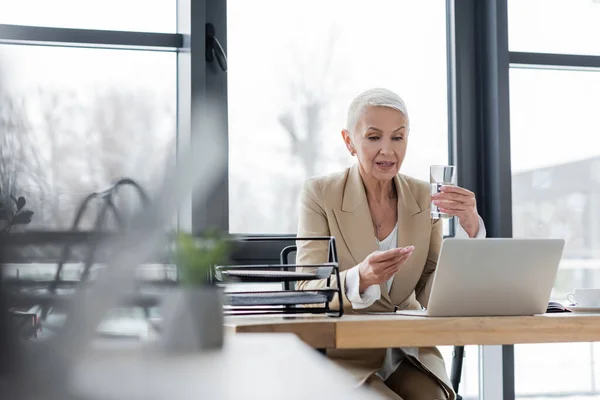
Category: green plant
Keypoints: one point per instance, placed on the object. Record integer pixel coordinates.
(12, 212)
(195, 256)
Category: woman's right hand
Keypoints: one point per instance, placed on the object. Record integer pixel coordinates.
(380, 266)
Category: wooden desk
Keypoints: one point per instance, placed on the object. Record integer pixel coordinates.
(316, 331)
(248, 367)
(377, 331)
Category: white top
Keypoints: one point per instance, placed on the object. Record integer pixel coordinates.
(393, 357)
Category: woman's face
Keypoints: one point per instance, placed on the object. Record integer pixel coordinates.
(379, 141)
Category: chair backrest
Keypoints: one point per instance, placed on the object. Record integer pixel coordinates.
(288, 256)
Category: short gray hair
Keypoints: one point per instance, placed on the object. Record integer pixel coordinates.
(377, 97)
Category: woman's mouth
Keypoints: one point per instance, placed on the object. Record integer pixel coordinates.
(386, 165)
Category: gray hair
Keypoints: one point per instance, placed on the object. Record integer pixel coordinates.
(377, 97)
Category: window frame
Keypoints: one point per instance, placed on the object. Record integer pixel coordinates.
(92, 38)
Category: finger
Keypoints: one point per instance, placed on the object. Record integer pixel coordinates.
(388, 273)
(378, 260)
(462, 198)
(456, 189)
(398, 264)
(382, 256)
(456, 207)
(450, 213)
(399, 252)
(453, 205)
(388, 276)
(381, 271)
(386, 264)
(455, 213)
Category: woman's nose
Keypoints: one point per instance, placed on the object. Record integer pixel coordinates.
(386, 148)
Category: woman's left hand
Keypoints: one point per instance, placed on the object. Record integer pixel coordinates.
(459, 202)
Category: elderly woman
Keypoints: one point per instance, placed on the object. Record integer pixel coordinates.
(387, 243)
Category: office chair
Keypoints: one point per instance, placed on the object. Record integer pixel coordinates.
(288, 256)
(456, 370)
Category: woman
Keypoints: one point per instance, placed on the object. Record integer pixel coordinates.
(387, 244)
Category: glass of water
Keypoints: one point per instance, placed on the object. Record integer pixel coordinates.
(440, 175)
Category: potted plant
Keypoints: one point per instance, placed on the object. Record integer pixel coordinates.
(193, 313)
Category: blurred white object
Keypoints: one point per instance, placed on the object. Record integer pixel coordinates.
(251, 366)
(192, 319)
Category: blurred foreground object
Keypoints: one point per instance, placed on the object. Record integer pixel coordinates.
(43, 368)
(193, 313)
(250, 367)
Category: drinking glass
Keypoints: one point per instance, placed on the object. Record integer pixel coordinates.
(440, 175)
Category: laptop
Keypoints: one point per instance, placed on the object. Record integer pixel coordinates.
(488, 277)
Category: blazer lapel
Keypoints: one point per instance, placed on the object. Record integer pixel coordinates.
(408, 208)
(354, 218)
(355, 222)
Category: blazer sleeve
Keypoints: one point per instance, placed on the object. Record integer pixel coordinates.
(313, 222)
(423, 288)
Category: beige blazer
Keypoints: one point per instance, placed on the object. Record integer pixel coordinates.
(336, 205)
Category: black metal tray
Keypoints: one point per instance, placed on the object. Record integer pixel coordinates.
(292, 297)
(268, 273)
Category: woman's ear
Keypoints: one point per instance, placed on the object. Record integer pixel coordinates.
(348, 141)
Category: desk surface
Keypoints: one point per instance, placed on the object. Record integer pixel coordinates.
(248, 367)
(376, 331)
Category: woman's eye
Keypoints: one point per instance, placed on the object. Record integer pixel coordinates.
(398, 138)
(373, 138)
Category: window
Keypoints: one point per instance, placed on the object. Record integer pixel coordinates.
(73, 120)
(76, 120)
(555, 189)
(287, 101)
(554, 26)
(121, 15)
(292, 78)
(556, 193)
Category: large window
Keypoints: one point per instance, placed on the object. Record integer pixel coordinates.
(82, 105)
(292, 78)
(556, 193)
(76, 120)
(290, 82)
(555, 152)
